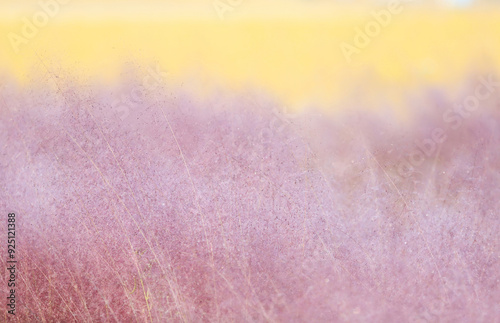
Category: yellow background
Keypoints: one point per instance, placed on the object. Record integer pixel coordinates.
(289, 48)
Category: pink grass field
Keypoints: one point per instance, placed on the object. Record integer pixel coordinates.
(231, 209)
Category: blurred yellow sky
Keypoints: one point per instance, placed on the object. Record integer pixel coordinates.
(302, 52)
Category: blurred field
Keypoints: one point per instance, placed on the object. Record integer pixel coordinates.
(141, 202)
